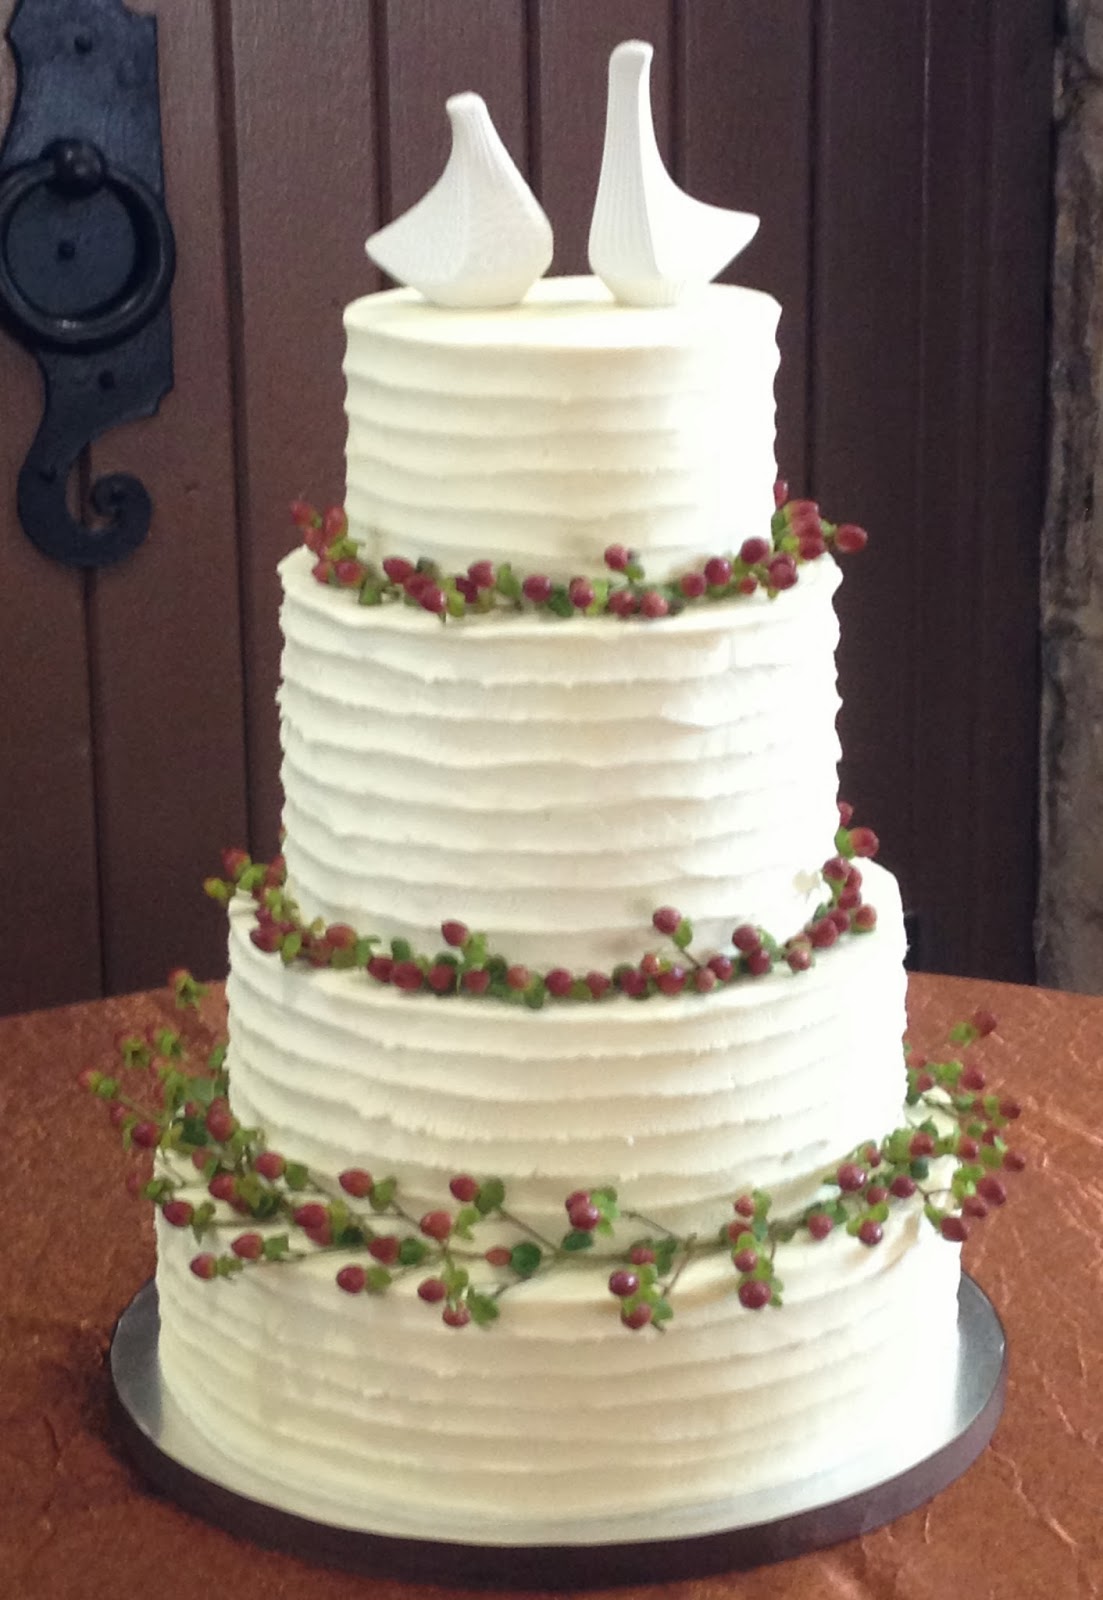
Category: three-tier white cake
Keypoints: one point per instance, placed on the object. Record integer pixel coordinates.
(551, 781)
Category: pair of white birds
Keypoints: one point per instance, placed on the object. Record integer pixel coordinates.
(479, 237)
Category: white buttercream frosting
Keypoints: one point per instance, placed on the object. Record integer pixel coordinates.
(551, 782)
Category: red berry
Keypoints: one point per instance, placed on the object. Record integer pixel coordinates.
(968, 1149)
(270, 1165)
(1010, 1109)
(352, 1279)
(234, 863)
(518, 977)
(350, 573)
(537, 588)
(1014, 1160)
(584, 1215)
(651, 965)
(223, 1186)
(984, 1022)
(974, 1206)
(781, 493)
(748, 584)
(575, 1196)
(851, 1177)
(499, 1255)
(954, 1228)
(923, 1082)
(812, 546)
(178, 1212)
(467, 587)
(407, 975)
(476, 980)
(641, 1255)
(991, 1189)
(581, 593)
(864, 842)
(456, 1316)
(432, 598)
(632, 982)
(871, 1233)
(849, 538)
(623, 603)
(746, 939)
(723, 966)
(822, 934)
(598, 983)
(704, 979)
(454, 933)
(876, 1194)
(381, 968)
(441, 977)
(799, 956)
(622, 1283)
(744, 1206)
(846, 811)
(693, 585)
(311, 1217)
(322, 571)
(146, 1135)
(973, 1078)
(617, 558)
(666, 920)
(464, 1188)
(436, 1224)
(759, 963)
(849, 900)
(920, 1145)
(745, 1260)
(384, 1248)
(249, 1246)
(322, 1237)
(204, 1266)
(754, 551)
(357, 1182)
(902, 1186)
(653, 604)
(865, 919)
(221, 1123)
(637, 1317)
(303, 515)
(432, 1290)
(819, 1224)
(782, 572)
(718, 571)
(482, 574)
(558, 982)
(754, 1294)
(841, 919)
(398, 569)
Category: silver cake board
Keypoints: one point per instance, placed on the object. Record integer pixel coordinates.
(745, 1531)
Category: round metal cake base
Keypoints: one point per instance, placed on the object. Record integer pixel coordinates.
(744, 1531)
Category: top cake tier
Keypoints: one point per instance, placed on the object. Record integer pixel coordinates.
(544, 432)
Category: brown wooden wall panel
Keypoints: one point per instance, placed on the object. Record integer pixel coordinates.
(431, 49)
(571, 42)
(746, 142)
(164, 626)
(299, 118)
(867, 218)
(51, 951)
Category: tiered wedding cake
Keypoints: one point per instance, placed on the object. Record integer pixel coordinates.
(579, 777)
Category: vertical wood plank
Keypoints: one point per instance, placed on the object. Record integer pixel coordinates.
(571, 43)
(867, 209)
(1015, 247)
(165, 642)
(433, 49)
(301, 199)
(47, 831)
(746, 142)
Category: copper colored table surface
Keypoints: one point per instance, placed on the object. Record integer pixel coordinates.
(77, 1524)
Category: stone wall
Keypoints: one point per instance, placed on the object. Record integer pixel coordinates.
(1070, 903)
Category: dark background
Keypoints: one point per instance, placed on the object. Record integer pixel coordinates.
(899, 156)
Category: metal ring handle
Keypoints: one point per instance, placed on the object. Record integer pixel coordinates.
(77, 167)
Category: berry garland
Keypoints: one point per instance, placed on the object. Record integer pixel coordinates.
(192, 1122)
(468, 967)
(798, 534)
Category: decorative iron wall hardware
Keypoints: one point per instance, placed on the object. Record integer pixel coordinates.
(86, 257)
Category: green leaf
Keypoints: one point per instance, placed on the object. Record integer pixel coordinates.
(411, 1252)
(348, 1237)
(577, 1239)
(382, 1194)
(455, 1279)
(483, 1309)
(920, 1168)
(507, 582)
(295, 1175)
(880, 1213)
(525, 1258)
(853, 1225)
(401, 949)
(377, 1279)
(683, 934)
(465, 1216)
(491, 1195)
(661, 1311)
(276, 1247)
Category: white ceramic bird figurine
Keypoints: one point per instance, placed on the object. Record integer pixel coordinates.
(650, 242)
(479, 236)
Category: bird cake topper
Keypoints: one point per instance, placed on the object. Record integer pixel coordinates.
(479, 237)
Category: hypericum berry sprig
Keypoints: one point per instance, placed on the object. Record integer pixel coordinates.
(954, 1162)
(468, 967)
(798, 534)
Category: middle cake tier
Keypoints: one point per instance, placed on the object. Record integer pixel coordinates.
(552, 782)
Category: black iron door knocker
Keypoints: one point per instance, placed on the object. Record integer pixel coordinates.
(86, 257)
